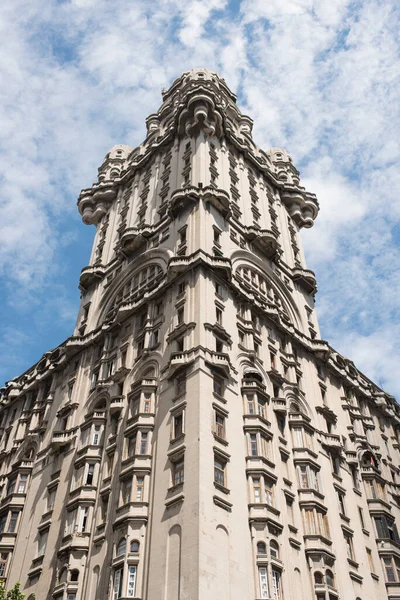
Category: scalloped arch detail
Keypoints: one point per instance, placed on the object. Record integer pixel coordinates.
(134, 281)
(262, 281)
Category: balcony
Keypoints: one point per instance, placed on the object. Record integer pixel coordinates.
(133, 510)
(116, 404)
(77, 540)
(265, 239)
(218, 198)
(134, 237)
(91, 274)
(279, 404)
(393, 590)
(264, 512)
(60, 438)
(306, 279)
(331, 440)
(181, 264)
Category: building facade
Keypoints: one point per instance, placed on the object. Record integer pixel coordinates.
(195, 438)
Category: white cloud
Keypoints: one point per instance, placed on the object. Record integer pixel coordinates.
(318, 78)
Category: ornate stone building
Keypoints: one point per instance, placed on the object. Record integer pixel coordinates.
(195, 439)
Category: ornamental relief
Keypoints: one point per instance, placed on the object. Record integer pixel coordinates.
(260, 286)
(133, 289)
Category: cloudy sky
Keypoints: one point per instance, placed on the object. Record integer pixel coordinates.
(320, 78)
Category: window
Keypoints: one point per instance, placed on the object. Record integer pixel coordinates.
(121, 548)
(117, 584)
(90, 475)
(182, 236)
(269, 492)
(42, 541)
(250, 403)
(308, 477)
(143, 442)
(219, 346)
(335, 460)
(218, 385)
(386, 528)
(361, 515)
(146, 402)
(277, 592)
(253, 444)
(301, 438)
(181, 316)
(389, 570)
(23, 480)
(139, 486)
(131, 580)
(180, 385)
(375, 489)
(218, 316)
(3, 563)
(177, 425)
(12, 525)
(257, 490)
(96, 435)
(219, 471)
(319, 579)
(3, 521)
(340, 497)
(370, 560)
(74, 575)
(316, 522)
(261, 548)
(263, 491)
(392, 568)
(130, 446)
(329, 578)
(349, 546)
(262, 574)
(182, 287)
(178, 472)
(83, 518)
(135, 546)
(354, 476)
(217, 237)
(220, 425)
(126, 491)
(274, 549)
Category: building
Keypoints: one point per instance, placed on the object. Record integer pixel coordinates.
(196, 439)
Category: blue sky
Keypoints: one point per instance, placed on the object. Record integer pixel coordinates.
(320, 79)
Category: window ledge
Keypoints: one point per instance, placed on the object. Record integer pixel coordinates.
(175, 500)
(175, 488)
(220, 439)
(221, 488)
(353, 563)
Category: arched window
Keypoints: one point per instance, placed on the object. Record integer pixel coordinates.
(121, 548)
(29, 454)
(318, 578)
(330, 580)
(274, 549)
(368, 460)
(261, 548)
(294, 407)
(100, 405)
(74, 575)
(135, 546)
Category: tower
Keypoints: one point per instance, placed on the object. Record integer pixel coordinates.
(195, 438)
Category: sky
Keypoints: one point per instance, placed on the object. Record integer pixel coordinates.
(320, 79)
